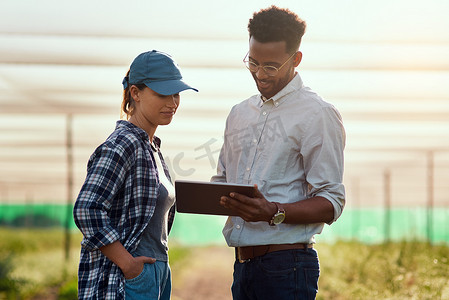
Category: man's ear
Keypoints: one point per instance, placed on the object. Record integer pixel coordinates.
(298, 58)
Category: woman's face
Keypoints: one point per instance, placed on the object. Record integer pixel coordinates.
(153, 108)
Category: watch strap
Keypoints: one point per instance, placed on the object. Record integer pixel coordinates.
(279, 210)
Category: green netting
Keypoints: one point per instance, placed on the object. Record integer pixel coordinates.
(369, 225)
(37, 215)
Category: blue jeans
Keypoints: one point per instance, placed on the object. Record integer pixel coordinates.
(154, 282)
(287, 274)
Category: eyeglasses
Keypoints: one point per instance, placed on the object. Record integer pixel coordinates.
(269, 70)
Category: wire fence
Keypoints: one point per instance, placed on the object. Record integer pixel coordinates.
(405, 196)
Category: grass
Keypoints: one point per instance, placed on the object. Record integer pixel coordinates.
(402, 270)
(38, 260)
(32, 262)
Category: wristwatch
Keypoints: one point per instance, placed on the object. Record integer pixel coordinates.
(279, 216)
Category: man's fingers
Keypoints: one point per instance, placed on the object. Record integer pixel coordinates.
(244, 198)
(238, 203)
(240, 197)
(257, 193)
(227, 202)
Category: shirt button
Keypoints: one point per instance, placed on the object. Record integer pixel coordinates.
(238, 226)
(247, 169)
(276, 103)
(264, 113)
(255, 141)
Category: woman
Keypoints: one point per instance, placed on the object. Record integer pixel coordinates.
(125, 208)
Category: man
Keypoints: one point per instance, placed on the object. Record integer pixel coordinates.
(289, 143)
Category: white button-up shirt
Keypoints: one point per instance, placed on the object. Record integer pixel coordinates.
(291, 146)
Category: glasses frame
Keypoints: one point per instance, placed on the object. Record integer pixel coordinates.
(247, 63)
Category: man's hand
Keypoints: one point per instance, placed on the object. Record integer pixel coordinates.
(250, 209)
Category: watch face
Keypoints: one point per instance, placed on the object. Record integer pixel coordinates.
(278, 218)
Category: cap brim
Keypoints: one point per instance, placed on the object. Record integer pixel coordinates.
(169, 87)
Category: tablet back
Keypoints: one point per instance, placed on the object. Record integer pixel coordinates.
(198, 197)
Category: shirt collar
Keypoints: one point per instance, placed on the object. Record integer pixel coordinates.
(138, 131)
(294, 85)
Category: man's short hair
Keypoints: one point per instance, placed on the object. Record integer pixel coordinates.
(276, 24)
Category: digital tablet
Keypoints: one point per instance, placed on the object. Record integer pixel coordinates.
(202, 197)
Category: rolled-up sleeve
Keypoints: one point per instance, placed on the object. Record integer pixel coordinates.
(322, 150)
(105, 174)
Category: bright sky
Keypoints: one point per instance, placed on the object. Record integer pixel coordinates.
(383, 64)
(382, 20)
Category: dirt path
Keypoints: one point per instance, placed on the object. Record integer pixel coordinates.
(208, 275)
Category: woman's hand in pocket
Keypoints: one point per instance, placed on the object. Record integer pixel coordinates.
(130, 266)
(136, 267)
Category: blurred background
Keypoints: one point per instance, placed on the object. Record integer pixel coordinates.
(383, 64)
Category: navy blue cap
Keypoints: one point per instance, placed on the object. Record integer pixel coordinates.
(158, 71)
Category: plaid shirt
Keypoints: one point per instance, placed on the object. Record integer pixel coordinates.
(116, 202)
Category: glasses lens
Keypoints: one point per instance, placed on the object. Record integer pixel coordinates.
(251, 66)
(270, 70)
